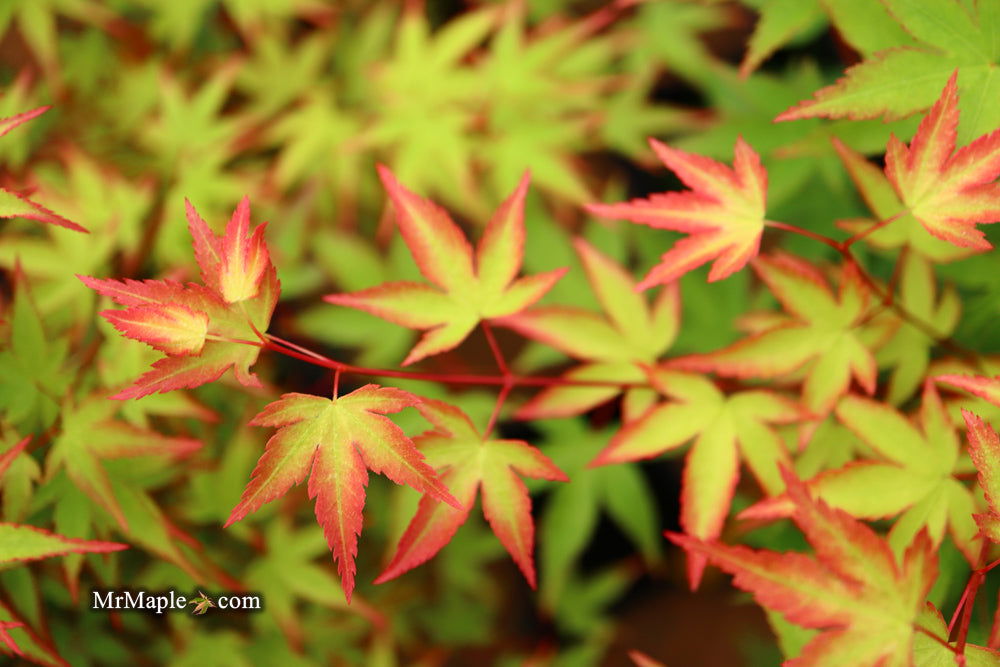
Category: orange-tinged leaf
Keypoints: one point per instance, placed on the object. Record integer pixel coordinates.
(896, 226)
(726, 429)
(234, 264)
(914, 478)
(948, 191)
(863, 599)
(616, 347)
(172, 328)
(821, 335)
(723, 213)
(469, 461)
(334, 442)
(203, 329)
(984, 448)
(978, 385)
(464, 291)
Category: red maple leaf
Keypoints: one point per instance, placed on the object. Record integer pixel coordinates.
(203, 329)
(334, 442)
(723, 213)
(948, 191)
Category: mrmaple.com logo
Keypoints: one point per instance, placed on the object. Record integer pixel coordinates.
(127, 600)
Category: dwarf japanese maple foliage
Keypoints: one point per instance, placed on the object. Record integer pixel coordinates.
(820, 391)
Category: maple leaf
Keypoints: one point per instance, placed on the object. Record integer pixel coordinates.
(908, 351)
(202, 603)
(615, 348)
(821, 330)
(286, 573)
(948, 191)
(204, 330)
(89, 434)
(984, 448)
(914, 476)
(333, 441)
(863, 599)
(723, 212)
(726, 428)
(987, 388)
(473, 290)
(14, 205)
(469, 461)
(902, 229)
(937, 37)
(778, 22)
(20, 543)
(619, 493)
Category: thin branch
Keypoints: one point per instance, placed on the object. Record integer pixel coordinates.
(495, 348)
(290, 349)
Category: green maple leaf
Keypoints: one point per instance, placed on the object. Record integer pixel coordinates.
(950, 35)
(908, 352)
(307, 134)
(278, 71)
(613, 348)
(90, 434)
(467, 288)
(913, 476)
(618, 492)
(726, 429)
(569, 67)
(425, 98)
(31, 366)
(778, 23)
(19, 472)
(820, 335)
(287, 573)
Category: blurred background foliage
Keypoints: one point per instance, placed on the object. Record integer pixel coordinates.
(293, 102)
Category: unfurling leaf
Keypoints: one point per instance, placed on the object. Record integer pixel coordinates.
(334, 442)
(467, 289)
(723, 213)
(468, 462)
(204, 330)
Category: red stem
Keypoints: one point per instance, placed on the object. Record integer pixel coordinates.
(843, 248)
(276, 344)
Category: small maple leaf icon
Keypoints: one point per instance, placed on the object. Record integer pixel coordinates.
(202, 603)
